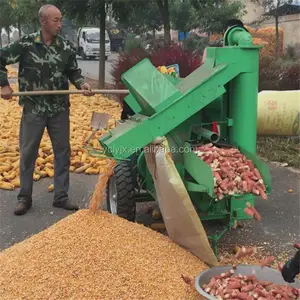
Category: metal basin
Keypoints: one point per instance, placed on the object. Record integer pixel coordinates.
(265, 274)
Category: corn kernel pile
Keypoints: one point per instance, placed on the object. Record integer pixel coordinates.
(98, 256)
(80, 118)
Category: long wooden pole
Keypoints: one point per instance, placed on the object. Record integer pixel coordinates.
(68, 92)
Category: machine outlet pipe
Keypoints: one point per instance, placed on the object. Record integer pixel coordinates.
(238, 36)
(209, 135)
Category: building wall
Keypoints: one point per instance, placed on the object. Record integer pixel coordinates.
(254, 12)
(290, 24)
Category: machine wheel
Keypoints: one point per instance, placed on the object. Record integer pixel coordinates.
(120, 193)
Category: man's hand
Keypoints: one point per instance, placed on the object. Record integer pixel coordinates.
(6, 92)
(87, 89)
(291, 268)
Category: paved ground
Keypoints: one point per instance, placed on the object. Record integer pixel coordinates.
(15, 229)
(278, 229)
(90, 68)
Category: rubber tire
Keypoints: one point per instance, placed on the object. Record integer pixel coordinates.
(126, 205)
(106, 57)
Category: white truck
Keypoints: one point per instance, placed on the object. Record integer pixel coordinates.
(88, 43)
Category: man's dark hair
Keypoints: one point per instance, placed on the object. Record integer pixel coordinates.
(234, 22)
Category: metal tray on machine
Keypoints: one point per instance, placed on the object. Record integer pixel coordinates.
(264, 274)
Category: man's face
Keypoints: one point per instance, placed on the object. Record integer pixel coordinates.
(52, 22)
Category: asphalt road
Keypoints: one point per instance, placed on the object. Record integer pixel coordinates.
(90, 67)
(276, 232)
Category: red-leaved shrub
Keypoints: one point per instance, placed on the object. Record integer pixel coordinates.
(278, 74)
(268, 73)
(273, 74)
(289, 78)
(125, 62)
(174, 54)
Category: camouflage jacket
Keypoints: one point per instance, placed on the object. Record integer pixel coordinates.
(42, 67)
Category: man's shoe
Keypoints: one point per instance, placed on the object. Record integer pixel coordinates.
(66, 205)
(22, 208)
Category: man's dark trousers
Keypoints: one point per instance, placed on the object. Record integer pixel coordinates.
(31, 132)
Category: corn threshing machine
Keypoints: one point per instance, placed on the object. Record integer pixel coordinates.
(222, 91)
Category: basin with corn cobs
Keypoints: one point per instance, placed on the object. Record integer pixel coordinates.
(265, 276)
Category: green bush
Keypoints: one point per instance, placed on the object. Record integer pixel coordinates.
(292, 52)
(196, 43)
(132, 43)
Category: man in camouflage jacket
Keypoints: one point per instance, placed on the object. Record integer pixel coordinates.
(46, 62)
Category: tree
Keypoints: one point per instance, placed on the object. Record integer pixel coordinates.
(144, 11)
(163, 6)
(7, 18)
(211, 16)
(96, 10)
(142, 19)
(180, 15)
(272, 10)
(89, 11)
(26, 13)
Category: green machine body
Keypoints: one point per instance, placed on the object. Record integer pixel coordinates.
(222, 91)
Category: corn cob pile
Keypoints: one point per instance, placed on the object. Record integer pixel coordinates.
(168, 70)
(232, 285)
(233, 172)
(265, 37)
(268, 35)
(80, 117)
